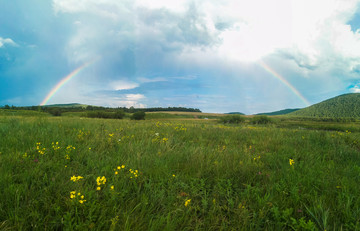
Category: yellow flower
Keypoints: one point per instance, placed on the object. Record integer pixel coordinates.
(100, 180)
(165, 139)
(187, 202)
(118, 167)
(98, 188)
(112, 187)
(76, 178)
(81, 201)
(122, 166)
(116, 173)
(291, 162)
(72, 194)
(173, 175)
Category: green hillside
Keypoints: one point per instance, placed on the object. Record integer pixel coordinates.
(343, 106)
(281, 112)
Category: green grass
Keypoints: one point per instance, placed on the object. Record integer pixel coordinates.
(237, 177)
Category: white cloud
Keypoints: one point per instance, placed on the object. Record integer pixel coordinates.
(4, 41)
(123, 85)
(355, 89)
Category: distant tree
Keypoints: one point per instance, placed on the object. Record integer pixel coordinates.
(119, 114)
(6, 107)
(232, 119)
(55, 111)
(140, 115)
(260, 119)
(131, 109)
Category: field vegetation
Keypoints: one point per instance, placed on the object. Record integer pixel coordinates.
(78, 173)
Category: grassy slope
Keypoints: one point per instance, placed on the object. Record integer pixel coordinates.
(281, 112)
(347, 105)
(236, 177)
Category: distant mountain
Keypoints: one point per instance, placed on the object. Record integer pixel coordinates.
(281, 112)
(343, 106)
(235, 113)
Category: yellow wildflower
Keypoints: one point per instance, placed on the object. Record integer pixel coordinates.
(291, 162)
(187, 202)
(72, 194)
(112, 187)
(98, 188)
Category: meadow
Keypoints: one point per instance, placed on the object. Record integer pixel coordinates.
(75, 173)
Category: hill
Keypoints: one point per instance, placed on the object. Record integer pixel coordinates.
(235, 113)
(281, 112)
(343, 106)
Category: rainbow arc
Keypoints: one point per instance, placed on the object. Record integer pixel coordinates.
(64, 80)
(284, 81)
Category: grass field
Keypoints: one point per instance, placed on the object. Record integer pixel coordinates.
(74, 173)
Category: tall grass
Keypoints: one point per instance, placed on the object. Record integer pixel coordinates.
(174, 175)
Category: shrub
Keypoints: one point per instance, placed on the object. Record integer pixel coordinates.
(140, 115)
(262, 119)
(55, 111)
(105, 115)
(232, 119)
(119, 115)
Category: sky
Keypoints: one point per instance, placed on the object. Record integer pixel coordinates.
(215, 55)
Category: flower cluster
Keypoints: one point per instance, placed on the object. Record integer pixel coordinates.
(119, 168)
(40, 149)
(100, 181)
(256, 158)
(74, 195)
(134, 173)
(81, 134)
(55, 146)
(291, 162)
(180, 128)
(69, 149)
(76, 178)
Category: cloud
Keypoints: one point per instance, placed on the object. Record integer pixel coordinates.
(9, 41)
(355, 88)
(123, 85)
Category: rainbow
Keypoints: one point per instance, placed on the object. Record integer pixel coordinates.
(64, 81)
(284, 81)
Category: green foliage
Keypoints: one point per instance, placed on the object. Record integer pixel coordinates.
(140, 115)
(232, 119)
(119, 115)
(105, 114)
(55, 111)
(260, 119)
(344, 106)
(177, 175)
